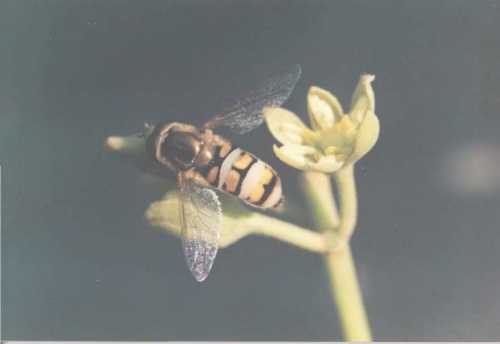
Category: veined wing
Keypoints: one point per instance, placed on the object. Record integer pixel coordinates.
(201, 218)
(246, 114)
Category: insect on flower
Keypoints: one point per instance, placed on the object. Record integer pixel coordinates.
(203, 161)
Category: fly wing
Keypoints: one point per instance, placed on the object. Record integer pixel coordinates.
(246, 114)
(201, 218)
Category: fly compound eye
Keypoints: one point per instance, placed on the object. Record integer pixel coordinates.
(181, 148)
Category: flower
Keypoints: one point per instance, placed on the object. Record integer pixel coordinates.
(335, 139)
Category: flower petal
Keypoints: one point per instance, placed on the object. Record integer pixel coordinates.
(326, 164)
(295, 155)
(133, 144)
(323, 107)
(284, 125)
(367, 136)
(307, 158)
(363, 98)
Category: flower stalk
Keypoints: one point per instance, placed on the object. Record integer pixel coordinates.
(322, 205)
(347, 295)
(346, 186)
(289, 233)
(339, 262)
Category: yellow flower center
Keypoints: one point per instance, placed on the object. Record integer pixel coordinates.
(346, 126)
(337, 140)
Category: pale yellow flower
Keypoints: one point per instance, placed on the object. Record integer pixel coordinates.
(335, 139)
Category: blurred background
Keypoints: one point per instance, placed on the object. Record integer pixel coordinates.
(80, 262)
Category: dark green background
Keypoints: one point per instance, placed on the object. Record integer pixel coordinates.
(81, 263)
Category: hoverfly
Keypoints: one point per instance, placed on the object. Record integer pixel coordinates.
(204, 161)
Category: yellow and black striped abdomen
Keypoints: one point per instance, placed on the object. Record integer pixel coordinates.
(242, 174)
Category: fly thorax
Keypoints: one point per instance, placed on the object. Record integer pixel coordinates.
(175, 145)
(180, 148)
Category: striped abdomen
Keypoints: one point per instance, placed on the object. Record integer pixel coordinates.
(240, 173)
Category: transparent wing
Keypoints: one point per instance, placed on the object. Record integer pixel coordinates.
(201, 217)
(246, 114)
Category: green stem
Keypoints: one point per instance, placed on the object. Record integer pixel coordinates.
(322, 205)
(346, 186)
(344, 283)
(287, 232)
(347, 295)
